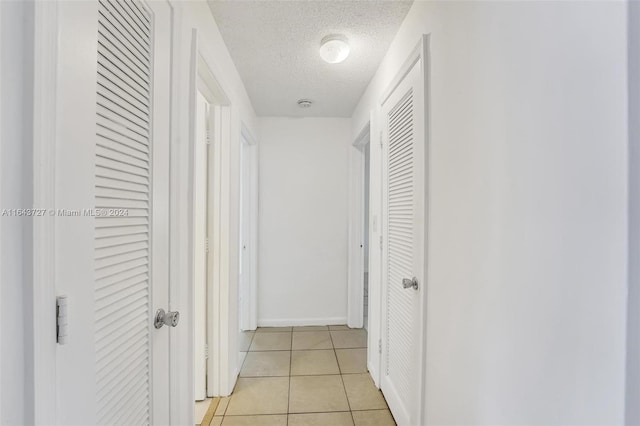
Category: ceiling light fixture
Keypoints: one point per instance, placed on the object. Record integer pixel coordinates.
(334, 48)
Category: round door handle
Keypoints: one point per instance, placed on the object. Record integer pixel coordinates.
(410, 283)
(166, 318)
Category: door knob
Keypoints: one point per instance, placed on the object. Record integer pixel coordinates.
(166, 318)
(410, 283)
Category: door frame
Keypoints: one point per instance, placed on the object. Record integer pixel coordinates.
(200, 190)
(356, 267)
(369, 133)
(419, 53)
(222, 329)
(42, 335)
(249, 312)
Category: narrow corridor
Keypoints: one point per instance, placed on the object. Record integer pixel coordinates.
(304, 376)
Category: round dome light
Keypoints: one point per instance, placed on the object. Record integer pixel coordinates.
(334, 49)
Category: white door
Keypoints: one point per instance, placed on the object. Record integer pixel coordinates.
(245, 236)
(404, 163)
(112, 223)
(200, 246)
(132, 194)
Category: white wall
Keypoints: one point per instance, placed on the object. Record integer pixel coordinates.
(303, 221)
(367, 170)
(16, 26)
(528, 208)
(633, 324)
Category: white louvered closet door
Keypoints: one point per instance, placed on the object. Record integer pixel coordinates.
(132, 196)
(404, 164)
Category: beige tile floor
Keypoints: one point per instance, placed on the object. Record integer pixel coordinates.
(304, 376)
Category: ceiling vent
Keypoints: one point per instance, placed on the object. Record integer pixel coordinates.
(304, 103)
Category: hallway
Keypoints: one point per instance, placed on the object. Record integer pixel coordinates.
(454, 185)
(300, 376)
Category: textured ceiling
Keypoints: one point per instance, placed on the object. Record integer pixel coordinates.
(274, 45)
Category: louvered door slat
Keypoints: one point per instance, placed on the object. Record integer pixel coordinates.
(122, 285)
(124, 204)
(116, 91)
(124, 147)
(119, 259)
(133, 141)
(104, 343)
(126, 57)
(111, 164)
(133, 412)
(111, 20)
(132, 330)
(121, 175)
(118, 65)
(399, 164)
(110, 77)
(109, 271)
(124, 195)
(121, 107)
(131, 406)
(124, 17)
(109, 242)
(400, 152)
(143, 20)
(136, 15)
(120, 231)
(130, 306)
(109, 252)
(117, 398)
(125, 49)
(139, 419)
(111, 30)
(121, 184)
(112, 360)
(107, 381)
(122, 243)
(115, 302)
(125, 120)
(125, 278)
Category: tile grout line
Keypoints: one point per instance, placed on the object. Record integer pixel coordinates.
(211, 411)
(341, 378)
(246, 356)
(224, 412)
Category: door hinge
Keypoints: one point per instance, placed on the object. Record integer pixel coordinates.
(380, 242)
(380, 346)
(206, 245)
(62, 328)
(380, 138)
(207, 137)
(206, 351)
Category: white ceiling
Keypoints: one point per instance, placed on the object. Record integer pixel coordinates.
(274, 45)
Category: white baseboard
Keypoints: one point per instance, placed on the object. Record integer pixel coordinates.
(301, 322)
